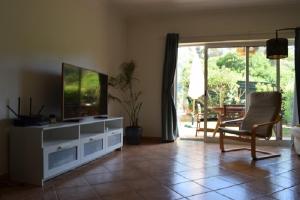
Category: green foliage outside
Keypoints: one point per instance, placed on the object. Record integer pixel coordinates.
(227, 70)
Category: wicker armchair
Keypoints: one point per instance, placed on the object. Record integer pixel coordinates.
(264, 111)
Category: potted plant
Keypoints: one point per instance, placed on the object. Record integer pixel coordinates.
(129, 98)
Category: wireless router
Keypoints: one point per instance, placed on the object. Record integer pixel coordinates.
(28, 120)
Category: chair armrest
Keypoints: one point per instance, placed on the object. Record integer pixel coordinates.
(278, 118)
(231, 121)
(256, 126)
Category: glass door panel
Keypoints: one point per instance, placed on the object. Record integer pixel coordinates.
(229, 74)
(226, 86)
(190, 91)
(287, 83)
(263, 76)
(262, 71)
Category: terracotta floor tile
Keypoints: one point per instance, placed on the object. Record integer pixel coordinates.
(154, 172)
(265, 198)
(187, 189)
(159, 193)
(214, 183)
(208, 196)
(283, 181)
(123, 196)
(263, 186)
(180, 170)
(171, 179)
(117, 167)
(70, 182)
(295, 188)
(77, 193)
(239, 192)
(128, 174)
(100, 178)
(197, 164)
(111, 188)
(256, 172)
(193, 174)
(236, 178)
(291, 174)
(213, 171)
(286, 195)
(94, 169)
(275, 170)
(26, 192)
(143, 183)
(179, 167)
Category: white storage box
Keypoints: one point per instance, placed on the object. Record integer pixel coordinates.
(296, 134)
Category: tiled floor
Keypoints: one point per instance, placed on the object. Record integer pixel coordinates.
(182, 170)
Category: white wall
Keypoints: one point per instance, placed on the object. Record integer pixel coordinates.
(37, 36)
(146, 43)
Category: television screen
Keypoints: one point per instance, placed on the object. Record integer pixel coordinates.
(84, 92)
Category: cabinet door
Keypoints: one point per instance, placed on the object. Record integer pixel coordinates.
(60, 158)
(114, 139)
(92, 147)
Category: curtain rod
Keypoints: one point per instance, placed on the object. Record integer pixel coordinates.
(224, 37)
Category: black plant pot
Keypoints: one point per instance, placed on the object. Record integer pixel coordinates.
(133, 134)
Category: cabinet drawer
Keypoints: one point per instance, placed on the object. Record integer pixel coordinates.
(114, 139)
(92, 147)
(60, 158)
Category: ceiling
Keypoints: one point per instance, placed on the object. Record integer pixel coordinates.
(137, 7)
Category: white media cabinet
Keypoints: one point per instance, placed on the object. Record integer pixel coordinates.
(38, 153)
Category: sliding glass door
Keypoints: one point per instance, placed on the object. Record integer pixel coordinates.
(213, 81)
(287, 83)
(226, 85)
(262, 71)
(190, 91)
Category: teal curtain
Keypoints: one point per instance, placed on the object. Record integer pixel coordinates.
(168, 109)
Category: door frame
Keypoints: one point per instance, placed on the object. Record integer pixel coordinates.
(241, 44)
(229, 44)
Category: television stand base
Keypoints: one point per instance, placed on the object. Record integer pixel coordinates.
(101, 117)
(72, 120)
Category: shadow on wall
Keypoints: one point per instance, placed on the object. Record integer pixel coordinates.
(5, 125)
(45, 89)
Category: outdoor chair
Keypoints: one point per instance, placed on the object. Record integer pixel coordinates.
(263, 113)
(233, 111)
(230, 112)
(200, 118)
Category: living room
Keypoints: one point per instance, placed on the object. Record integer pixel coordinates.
(38, 36)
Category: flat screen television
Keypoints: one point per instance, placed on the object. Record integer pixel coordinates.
(84, 93)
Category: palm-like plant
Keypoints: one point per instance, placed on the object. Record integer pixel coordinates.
(128, 96)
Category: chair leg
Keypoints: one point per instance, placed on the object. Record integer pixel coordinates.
(253, 148)
(197, 128)
(216, 128)
(221, 139)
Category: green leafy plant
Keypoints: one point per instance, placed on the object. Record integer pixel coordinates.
(127, 95)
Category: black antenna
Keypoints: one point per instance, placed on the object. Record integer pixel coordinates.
(43, 106)
(12, 111)
(30, 106)
(19, 106)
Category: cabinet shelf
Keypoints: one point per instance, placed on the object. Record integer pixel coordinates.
(51, 143)
(87, 135)
(112, 129)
